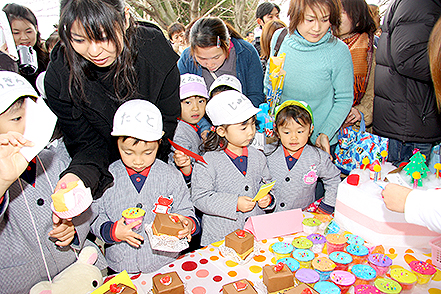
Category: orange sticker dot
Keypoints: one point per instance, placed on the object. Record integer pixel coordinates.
(214, 258)
(231, 263)
(437, 276)
(262, 251)
(409, 251)
(232, 273)
(391, 251)
(187, 277)
(434, 291)
(259, 258)
(264, 241)
(280, 239)
(409, 258)
(255, 269)
(211, 249)
(260, 277)
(143, 283)
(273, 260)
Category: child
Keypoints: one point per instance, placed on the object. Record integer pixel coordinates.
(224, 187)
(176, 32)
(144, 182)
(193, 94)
(21, 261)
(224, 83)
(297, 165)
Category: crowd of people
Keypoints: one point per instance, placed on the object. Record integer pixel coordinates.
(122, 91)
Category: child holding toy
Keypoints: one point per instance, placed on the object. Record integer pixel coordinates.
(25, 189)
(296, 164)
(193, 94)
(143, 182)
(223, 189)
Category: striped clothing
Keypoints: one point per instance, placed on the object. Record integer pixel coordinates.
(216, 187)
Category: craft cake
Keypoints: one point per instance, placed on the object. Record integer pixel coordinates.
(166, 224)
(239, 287)
(241, 241)
(277, 277)
(168, 283)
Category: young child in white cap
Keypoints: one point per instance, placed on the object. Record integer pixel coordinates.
(142, 182)
(193, 94)
(223, 188)
(24, 184)
(225, 83)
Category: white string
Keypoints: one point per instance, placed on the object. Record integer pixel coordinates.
(45, 173)
(35, 229)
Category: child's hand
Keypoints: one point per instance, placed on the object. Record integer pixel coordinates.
(12, 162)
(181, 159)
(265, 201)
(395, 197)
(204, 135)
(188, 227)
(63, 230)
(322, 142)
(245, 204)
(124, 233)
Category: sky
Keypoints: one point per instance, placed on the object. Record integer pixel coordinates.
(47, 12)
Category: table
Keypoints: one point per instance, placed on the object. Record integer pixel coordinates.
(206, 270)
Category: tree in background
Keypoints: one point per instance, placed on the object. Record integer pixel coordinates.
(239, 13)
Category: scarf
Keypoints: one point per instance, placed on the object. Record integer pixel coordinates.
(362, 49)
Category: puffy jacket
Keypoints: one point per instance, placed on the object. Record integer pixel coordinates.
(404, 104)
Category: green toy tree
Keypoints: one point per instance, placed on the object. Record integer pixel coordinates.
(417, 164)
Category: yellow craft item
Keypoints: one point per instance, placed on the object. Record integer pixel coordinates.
(377, 168)
(58, 197)
(416, 175)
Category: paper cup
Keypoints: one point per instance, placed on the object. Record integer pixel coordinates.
(364, 274)
(307, 276)
(406, 278)
(282, 250)
(318, 242)
(302, 243)
(304, 257)
(423, 270)
(342, 279)
(341, 260)
(380, 263)
(359, 253)
(133, 214)
(324, 266)
(335, 242)
(387, 286)
(311, 225)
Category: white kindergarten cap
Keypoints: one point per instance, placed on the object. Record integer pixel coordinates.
(226, 80)
(192, 85)
(230, 107)
(12, 87)
(139, 119)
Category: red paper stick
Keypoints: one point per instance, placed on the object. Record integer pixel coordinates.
(187, 152)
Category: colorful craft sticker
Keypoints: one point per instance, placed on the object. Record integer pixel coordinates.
(311, 177)
(163, 204)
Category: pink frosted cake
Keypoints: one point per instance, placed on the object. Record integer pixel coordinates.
(360, 210)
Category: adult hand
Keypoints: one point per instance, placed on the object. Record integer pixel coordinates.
(63, 230)
(245, 204)
(124, 232)
(322, 142)
(67, 178)
(265, 201)
(395, 197)
(353, 116)
(188, 227)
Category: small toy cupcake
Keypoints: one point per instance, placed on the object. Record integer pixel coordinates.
(307, 276)
(326, 288)
(364, 274)
(311, 225)
(304, 257)
(302, 243)
(359, 253)
(380, 263)
(341, 260)
(343, 279)
(354, 239)
(406, 278)
(335, 242)
(282, 250)
(324, 266)
(318, 242)
(133, 214)
(423, 270)
(293, 264)
(366, 289)
(387, 286)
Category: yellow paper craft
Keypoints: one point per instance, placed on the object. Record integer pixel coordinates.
(121, 278)
(264, 189)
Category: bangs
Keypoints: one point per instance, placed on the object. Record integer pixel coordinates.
(95, 17)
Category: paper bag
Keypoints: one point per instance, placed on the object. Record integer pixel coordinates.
(277, 224)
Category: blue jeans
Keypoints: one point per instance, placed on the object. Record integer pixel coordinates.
(401, 151)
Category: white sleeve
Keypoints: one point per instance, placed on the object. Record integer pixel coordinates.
(424, 208)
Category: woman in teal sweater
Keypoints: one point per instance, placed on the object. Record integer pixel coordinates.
(318, 67)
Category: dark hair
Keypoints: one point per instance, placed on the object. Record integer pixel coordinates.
(265, 8)
(98, 17)
(18, 12)
(52, 40)
(220, 89)
(360, 15)
(136, 140)
(267, 33)
(215, 142)
(175, 28)
(250, 32)
(17, 104)
(296, 12)
(206, 31)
